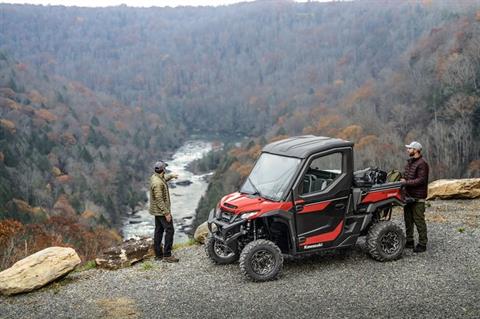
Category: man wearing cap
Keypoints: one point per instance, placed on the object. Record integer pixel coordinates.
(160, 208)
(415, 179)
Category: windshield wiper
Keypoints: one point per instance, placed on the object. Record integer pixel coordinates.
(257, 192)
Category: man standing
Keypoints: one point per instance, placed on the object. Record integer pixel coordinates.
(160, 208)
(416, 186)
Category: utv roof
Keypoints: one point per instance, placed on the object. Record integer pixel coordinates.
(304, 146)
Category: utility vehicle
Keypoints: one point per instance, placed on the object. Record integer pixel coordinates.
(301, 197)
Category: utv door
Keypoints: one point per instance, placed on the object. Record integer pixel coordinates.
(321, 196)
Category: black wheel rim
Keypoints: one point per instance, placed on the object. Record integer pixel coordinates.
(263, 262)
(390, 243)
(222, 250)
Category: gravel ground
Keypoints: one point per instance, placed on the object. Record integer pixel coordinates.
(444, 282)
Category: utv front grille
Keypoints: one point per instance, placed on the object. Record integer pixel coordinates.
(226, 216)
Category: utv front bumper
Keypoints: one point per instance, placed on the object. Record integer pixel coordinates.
(226, 227)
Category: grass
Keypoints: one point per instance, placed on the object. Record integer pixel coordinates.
(91, 264)
(147, 265)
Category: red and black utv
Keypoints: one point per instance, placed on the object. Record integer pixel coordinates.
(303, 196)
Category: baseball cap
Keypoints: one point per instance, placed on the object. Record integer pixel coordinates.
(160, 165)
(414, 145)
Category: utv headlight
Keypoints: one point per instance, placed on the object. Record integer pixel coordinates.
(248, 215)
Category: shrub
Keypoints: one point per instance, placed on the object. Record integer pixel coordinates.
(18, 241)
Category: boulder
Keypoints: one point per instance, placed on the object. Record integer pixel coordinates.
(184, 182)
(37, 270)
(454, 189)
(126, 254)
(201, 233)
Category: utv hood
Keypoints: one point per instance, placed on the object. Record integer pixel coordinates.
(239, 203)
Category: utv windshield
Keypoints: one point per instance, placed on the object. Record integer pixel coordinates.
(270, 176)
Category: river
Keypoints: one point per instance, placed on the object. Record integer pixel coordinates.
(184, 199)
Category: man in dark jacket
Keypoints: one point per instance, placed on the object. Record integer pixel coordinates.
(161, 209)
(416, 186)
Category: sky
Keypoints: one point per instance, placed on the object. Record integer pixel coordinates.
(132, 3)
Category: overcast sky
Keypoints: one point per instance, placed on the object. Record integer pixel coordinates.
(132, 3)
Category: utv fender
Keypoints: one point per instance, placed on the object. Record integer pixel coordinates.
(388, 202)
(286, 217)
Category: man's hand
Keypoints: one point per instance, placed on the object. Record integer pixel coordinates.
(174, 176)
(168, 217)
(403, 180)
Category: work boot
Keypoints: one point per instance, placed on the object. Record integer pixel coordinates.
(171, 259)
(420, 248)
(409, 244)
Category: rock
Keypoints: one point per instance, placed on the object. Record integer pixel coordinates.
(185, 182)
(454, 189)
(207, 177)
(201, 233)
(128, 253)
(37, 270)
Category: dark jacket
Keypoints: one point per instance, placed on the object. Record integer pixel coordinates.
(416, 176)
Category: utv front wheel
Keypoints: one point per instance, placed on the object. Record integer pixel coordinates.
(261, 260)
(385, 241)
(219, 252)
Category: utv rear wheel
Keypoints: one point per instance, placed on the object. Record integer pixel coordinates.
(261, 260)
(385, 241)
(219, 252)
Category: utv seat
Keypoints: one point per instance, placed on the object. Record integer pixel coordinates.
(319, 185)
(313, 184)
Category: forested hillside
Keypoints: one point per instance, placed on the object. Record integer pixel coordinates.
(430, 92)
(71, 161)
(380, 73)
(58, 137)
(232, 69)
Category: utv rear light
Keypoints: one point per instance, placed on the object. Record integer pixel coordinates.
(248, 215)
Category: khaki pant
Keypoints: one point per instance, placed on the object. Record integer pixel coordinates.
(414, 213)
